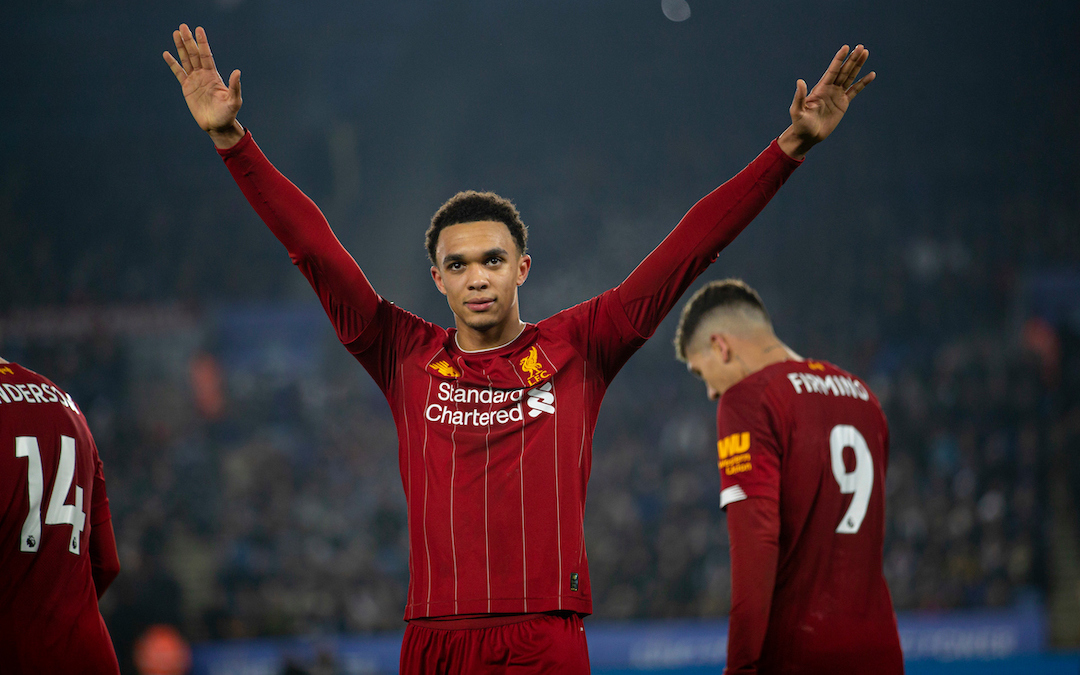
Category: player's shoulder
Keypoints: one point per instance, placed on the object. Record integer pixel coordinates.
(412, 333)
(9, 370)
(786, 379)
(389, 311)
(567, 326)
(20, 385)
(813, 377)
(13, 374)
(766, 382)
(575, 314)
(748, 399)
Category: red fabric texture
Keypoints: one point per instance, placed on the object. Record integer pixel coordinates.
(49, 617)
(802, 452)
(495, 447)
(754, 533)
(104, 559)
(548, 644)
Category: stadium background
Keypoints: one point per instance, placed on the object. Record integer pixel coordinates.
(931, 246)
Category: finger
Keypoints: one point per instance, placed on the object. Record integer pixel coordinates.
(798, 103)
(234, 87)
(833, 70)
(190, 46)
(845, 69)
(205, 55)
(852, 66)
(176, 68)
(861, 84)
(181, 53)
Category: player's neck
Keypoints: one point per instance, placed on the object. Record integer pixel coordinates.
(472, 340)
(771, 351)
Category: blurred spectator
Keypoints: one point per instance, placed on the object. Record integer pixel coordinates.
(161, 650)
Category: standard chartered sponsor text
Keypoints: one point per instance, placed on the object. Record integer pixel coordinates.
(540, 399)
(451, 393)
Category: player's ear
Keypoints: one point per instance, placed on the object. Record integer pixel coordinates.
(720, 346)
(437, 277)
(524, 265)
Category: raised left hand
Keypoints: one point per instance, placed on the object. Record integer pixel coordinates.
(815, 115)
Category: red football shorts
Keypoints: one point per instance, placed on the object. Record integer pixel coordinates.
(545, 644)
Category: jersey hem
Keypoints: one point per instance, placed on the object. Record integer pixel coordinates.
(422, 610)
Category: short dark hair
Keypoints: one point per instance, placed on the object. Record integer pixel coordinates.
(472, 206)
(722, 293)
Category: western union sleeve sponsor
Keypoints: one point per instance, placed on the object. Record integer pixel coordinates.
(733, 445)
(734, 454)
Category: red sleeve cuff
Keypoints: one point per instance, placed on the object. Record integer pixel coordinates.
(244, 142)
(774, 148)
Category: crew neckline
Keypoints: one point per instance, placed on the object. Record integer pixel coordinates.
(524, 327)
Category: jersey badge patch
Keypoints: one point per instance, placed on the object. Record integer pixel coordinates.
(533, 367)
(445, 369)
(813, 365)
(733, 452)
(6, 371)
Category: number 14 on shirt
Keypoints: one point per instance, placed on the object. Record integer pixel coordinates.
(58, 512)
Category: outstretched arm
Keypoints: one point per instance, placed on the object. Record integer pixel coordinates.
(348, 298)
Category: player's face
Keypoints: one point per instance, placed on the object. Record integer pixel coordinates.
(479, 269)
(716, 367)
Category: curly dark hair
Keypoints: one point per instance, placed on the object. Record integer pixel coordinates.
(734, 293)
(472, 206)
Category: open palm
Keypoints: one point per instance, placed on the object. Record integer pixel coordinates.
(213, 104)
(814, 116)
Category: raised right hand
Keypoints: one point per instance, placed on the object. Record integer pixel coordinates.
(212, 104)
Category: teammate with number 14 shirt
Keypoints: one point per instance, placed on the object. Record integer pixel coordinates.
(802, 452)
(57, 549)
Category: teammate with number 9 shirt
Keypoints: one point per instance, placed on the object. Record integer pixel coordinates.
(57, 550)
(802, 452)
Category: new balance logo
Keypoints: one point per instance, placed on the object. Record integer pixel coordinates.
(540, 400)
(445, 369)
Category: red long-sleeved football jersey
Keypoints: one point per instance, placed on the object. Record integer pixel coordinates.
(53, 515)
(802, 454)
(495, 446)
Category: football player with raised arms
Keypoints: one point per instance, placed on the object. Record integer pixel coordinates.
(802, 451)
(495, 416)
(57, 549)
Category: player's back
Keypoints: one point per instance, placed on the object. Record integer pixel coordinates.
(831, 609)
(49, 617)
